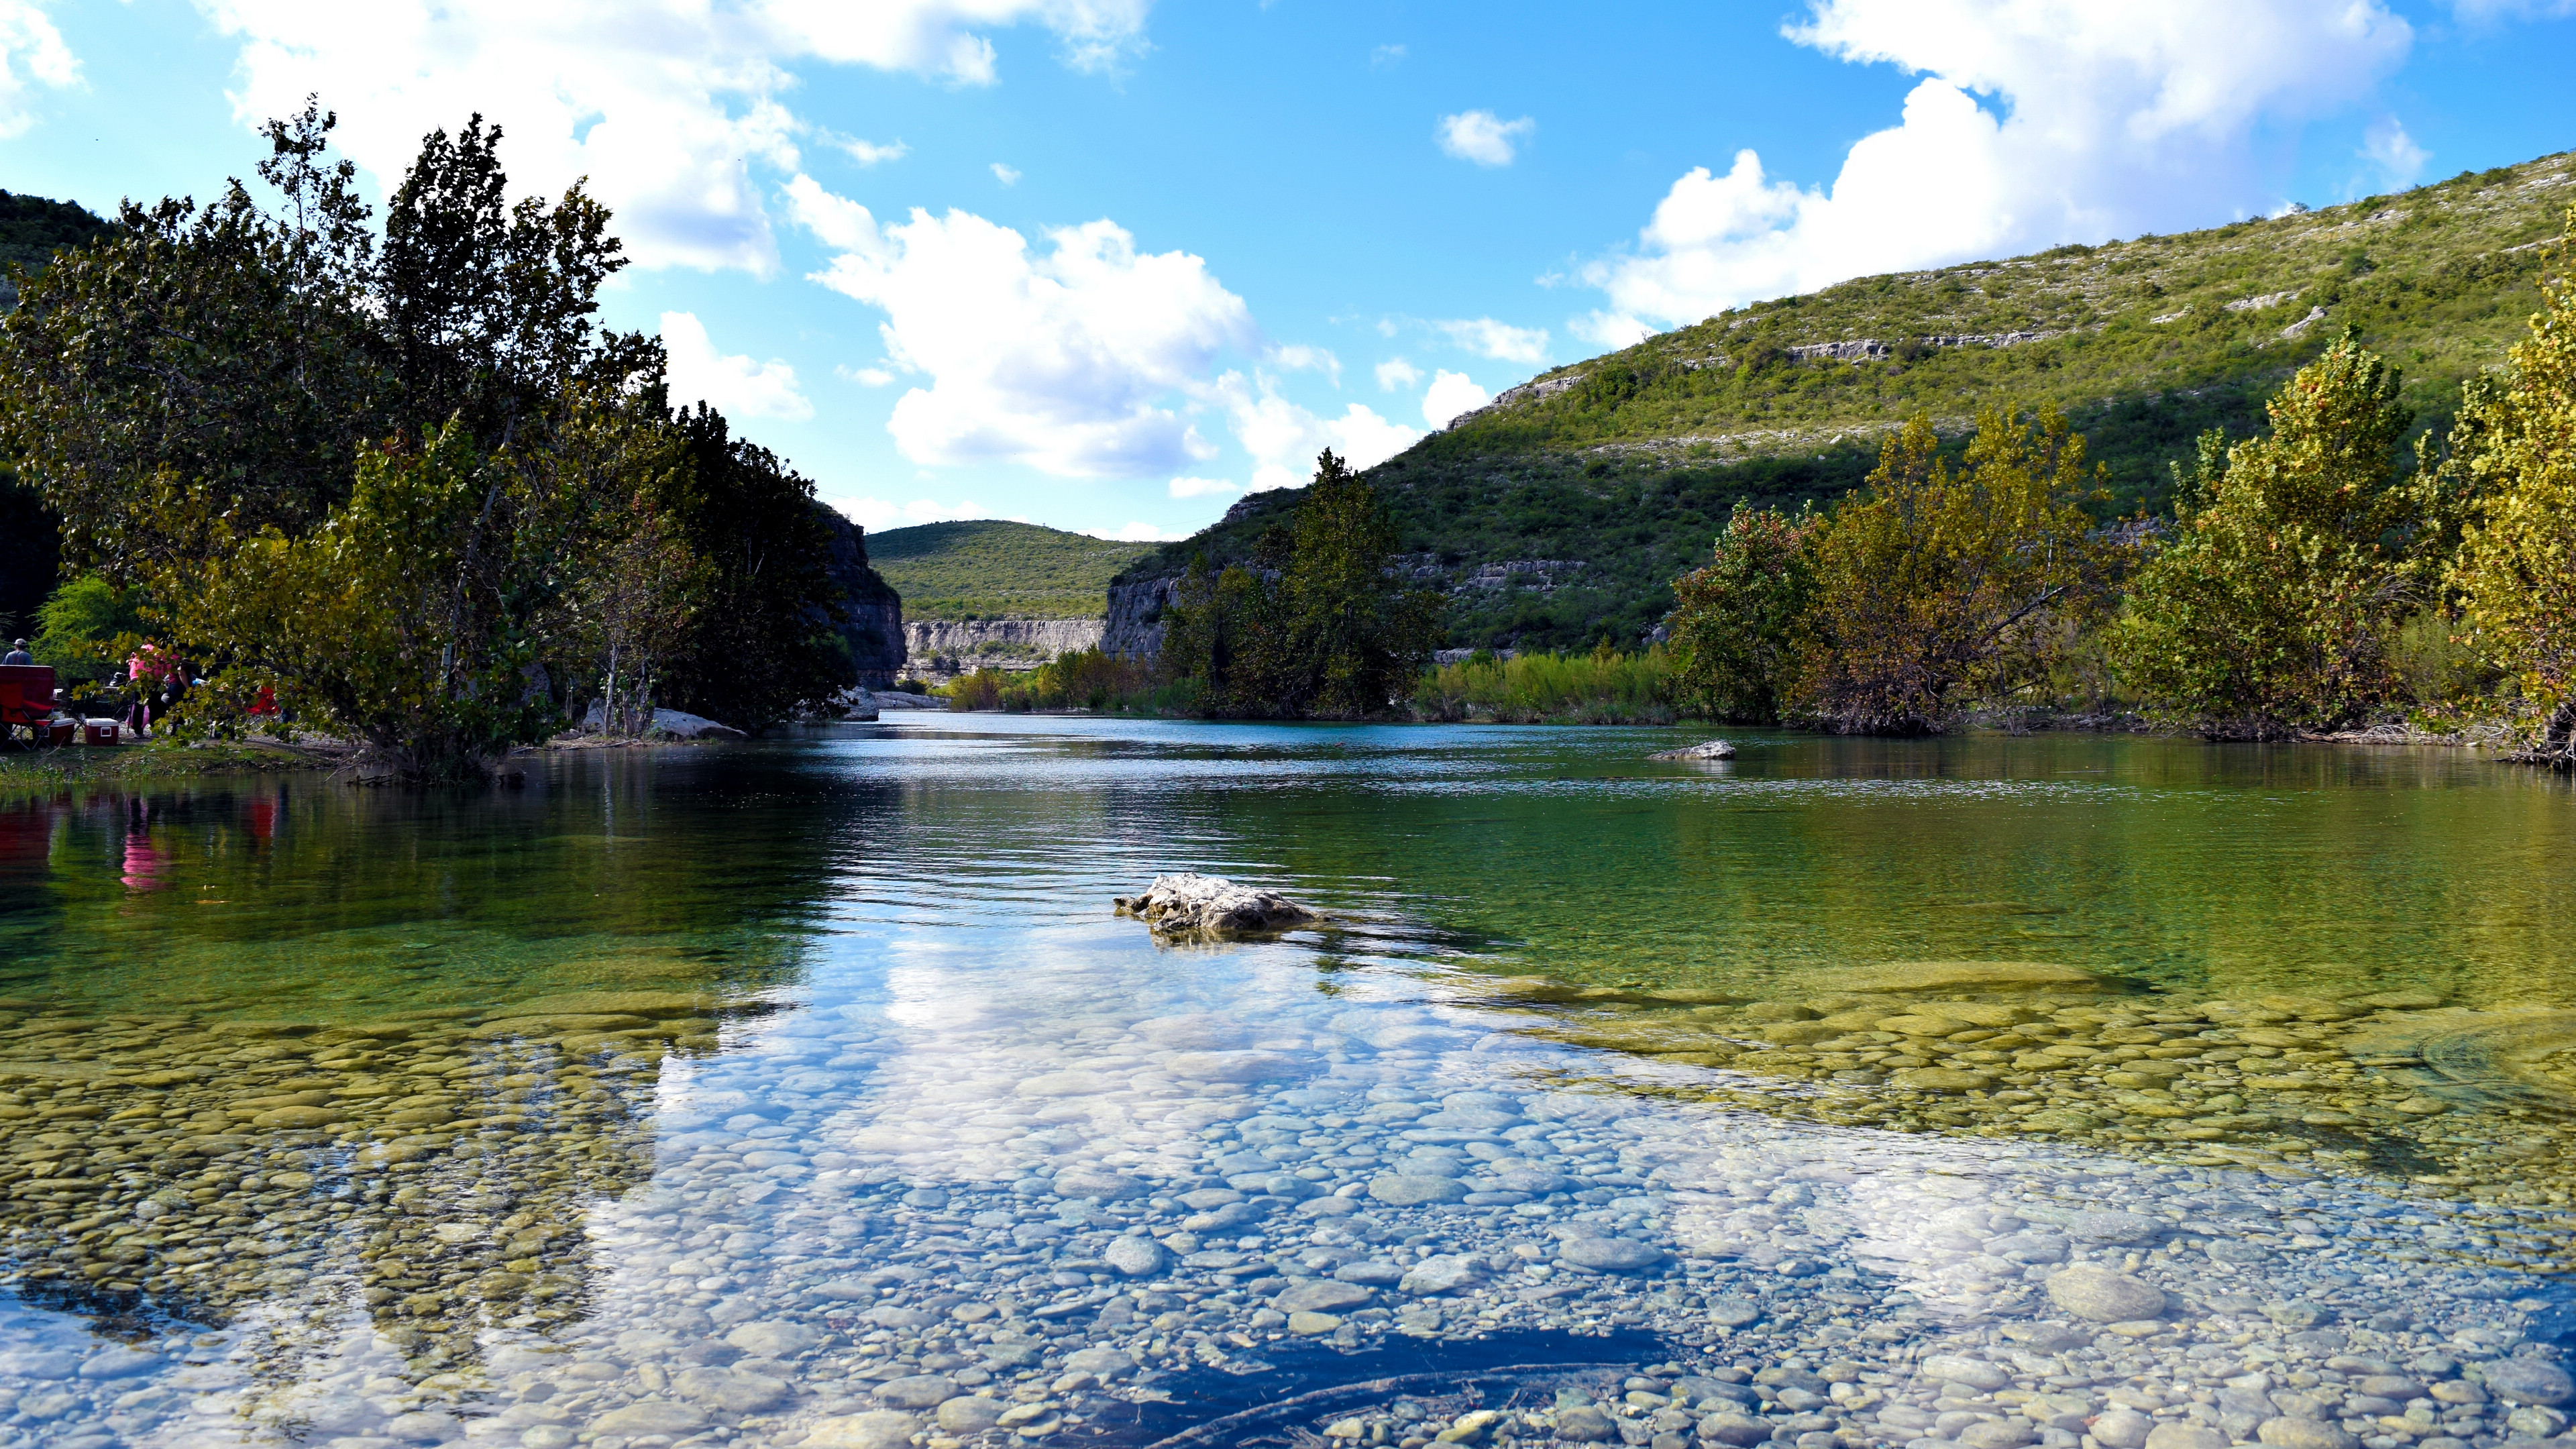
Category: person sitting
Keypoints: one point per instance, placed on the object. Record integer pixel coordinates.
(18, 654)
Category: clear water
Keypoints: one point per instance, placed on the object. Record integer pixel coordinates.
(761, 1064)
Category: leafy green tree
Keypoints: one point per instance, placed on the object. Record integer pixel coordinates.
(2513, 449)
(1940, 584)
(1319, 624)
(2295, 562)
(79, 626)
(1736, 618)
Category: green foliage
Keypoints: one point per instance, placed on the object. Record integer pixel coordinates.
(2514, 451)
(2273, 606)
(416, 617)
(756, 643)
(202, 383)
(78, 628)
(1601, 687)
(1734, 623)
(1630, 474)
(993, 569)
(1937, 584)
(1319, 627)
(1085, 679)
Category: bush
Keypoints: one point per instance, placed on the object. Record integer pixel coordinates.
(1732, 630)
(2297, 560)
(1938, 585)
(77, 629)
(1088, 679)
(2514, 449)
(1601, 687)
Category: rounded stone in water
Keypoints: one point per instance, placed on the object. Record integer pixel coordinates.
(2090, 1291)
(1609, 1255)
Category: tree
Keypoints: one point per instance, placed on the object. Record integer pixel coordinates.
(2295, 561)
(1936, 583)
(2513, 449)
(1736, 618)
(1319, 624)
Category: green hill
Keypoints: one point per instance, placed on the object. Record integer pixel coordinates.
(991, 569)
(1558, 516)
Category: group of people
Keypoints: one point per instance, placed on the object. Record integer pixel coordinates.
(152, 683)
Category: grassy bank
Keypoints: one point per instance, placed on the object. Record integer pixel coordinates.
(1601, 687)
(25, 772)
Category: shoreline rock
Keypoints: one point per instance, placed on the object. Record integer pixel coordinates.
(1191, 904)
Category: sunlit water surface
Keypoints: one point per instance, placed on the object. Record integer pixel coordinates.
(811, 1092)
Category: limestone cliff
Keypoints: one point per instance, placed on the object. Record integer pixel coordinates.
(1136, 608)
(941, 648)
(872, 622)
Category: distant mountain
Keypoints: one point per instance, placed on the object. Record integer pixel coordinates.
(992, 569)
(1558, 515)
(32, 229)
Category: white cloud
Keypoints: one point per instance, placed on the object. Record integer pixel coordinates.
(2396, 162)
(1298, 357)
(1483, 137)
(1396, 374)
(1284, 438)
(667, 106)
(874, 514)
(933, 38)
(1199, 487)
(1488, 338)
(32, 53)
(1143, 533)
(1008, 176)
(2107, 118)
(1450, 394)
(864, 376)
(736, 386)
(869, 153)
(1065, 358)
(1386, 56)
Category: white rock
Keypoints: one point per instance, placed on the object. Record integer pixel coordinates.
(1188, 904)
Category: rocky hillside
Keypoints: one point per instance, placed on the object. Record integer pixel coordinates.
(1559, 515)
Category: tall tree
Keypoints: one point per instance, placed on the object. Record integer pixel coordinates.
(2514, 451)
(1735, 621)
(1936, 584)
(2296, 559)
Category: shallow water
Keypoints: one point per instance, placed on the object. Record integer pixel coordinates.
(777, 1094)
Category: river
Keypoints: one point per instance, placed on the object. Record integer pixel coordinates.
(2071, 1091)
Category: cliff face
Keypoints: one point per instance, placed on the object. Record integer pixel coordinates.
(1135, 627)
(944, 647)
(873, 622)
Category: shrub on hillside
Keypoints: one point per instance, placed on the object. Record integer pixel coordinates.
(2296, 561)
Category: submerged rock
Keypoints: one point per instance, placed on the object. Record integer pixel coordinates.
(1188, 903)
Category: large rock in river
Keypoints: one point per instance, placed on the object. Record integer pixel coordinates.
(1190, 904)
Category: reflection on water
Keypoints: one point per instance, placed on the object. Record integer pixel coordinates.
(809, 1093)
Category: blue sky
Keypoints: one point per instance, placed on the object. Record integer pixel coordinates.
(1106, 264)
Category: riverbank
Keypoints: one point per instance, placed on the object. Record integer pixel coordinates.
(136, 762)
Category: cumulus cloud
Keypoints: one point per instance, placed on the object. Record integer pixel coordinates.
(32, 53)
(667, 106)
(1143, 533)
(1065, 357)
(1199, 487)
(1450, 394)
(869, 153)
(877, 514)
(1488, 338)
(865, 376)
(1385, 56)
(736, 386)
(1284, 438)
(1007, 175)
(1298, 357)
(2036, 122)
(1395, 374)
(1483, 137)
(2395, 161)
